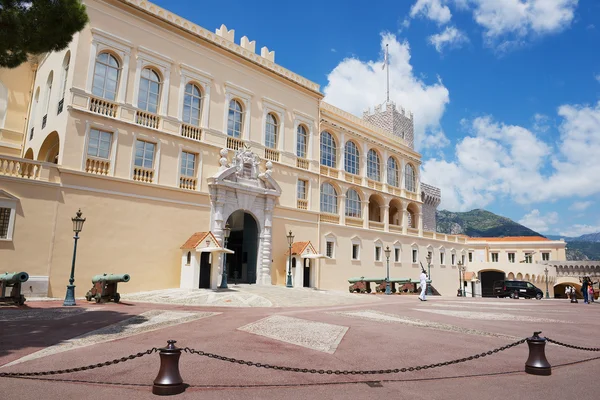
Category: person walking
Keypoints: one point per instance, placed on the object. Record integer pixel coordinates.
(590, 291)
(423, 279)
(584, 290)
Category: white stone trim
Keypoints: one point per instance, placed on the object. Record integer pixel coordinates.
(198, 173)
(244, 96)
(377, 243)
(9, 201)
(270, 106)
(156, 162)
(204, 80)
(356, 240)
(302, 119)
(113, 146)
(149, 59)
(330, 237)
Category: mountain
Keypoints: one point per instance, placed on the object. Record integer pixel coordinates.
(590, 237)
(480, 223)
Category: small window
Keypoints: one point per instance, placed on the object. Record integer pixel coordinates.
(188, 164)
(494, 257)
(415, 256)
(192, 104)
(99, 143)
(442, 258)
(377, 253)
(462, 259)
(353, 208)
(271, 131)
(453, 259)
(302, 141)
(545, 256)
(511, 257)
(329, 249)
(355, 251)
(396, 255)
(235, 119)
(5, 213)
(529, 258)
(188, 260)
(301, 189)
(470, 257)
(144, 154)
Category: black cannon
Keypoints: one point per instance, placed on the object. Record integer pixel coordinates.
(14, 281)
(105, 287)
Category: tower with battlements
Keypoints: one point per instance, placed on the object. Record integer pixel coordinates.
(431, 198)
(396, 120)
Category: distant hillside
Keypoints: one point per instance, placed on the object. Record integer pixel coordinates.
(480, 223)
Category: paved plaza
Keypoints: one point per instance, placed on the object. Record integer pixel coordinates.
(300, 328)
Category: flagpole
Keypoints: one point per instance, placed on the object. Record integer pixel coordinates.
(387, 62)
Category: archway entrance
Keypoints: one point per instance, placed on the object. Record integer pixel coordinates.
(205, 266)
(487, 282)
(306, 274)
(243, 240)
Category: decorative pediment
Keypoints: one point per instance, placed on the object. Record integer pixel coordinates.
(4, 195)
(302, 249)
(200, 240)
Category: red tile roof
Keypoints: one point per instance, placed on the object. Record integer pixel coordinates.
(298, 248)
(510, 239)
(194, 240)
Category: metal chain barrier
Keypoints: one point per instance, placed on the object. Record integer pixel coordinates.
(85, 368)
(572, 346)
(350, 372)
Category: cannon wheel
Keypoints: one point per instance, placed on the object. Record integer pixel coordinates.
(97, 298)
(369, 290)
(117, 298)
(21, 300)
(88, 296)
(350, 289)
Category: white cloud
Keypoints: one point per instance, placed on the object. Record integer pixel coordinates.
(506, 161)
(434, 10)
(540, 123)
(538, 222)
(580, 205)
(578, 230)
(450, 37)
(355, 85)
(597, 77)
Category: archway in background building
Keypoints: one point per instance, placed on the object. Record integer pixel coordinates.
(487, 279)
(559, 290)
(29, 154)
(241, 266)
(50, 149)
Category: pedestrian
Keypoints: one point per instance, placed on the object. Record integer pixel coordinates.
(423, 279)
(584, 290)
(568, 291)
(590, 291)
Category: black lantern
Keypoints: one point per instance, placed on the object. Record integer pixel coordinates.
(77, 227)
(290, 239)
(387, 252)
(226, 233)
(78, 222)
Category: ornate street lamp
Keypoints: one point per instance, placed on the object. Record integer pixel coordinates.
(290, 239)
(388, 290)
(460, 284)
(428, 258)
(226, 233)
(77, 227)
(547, 294)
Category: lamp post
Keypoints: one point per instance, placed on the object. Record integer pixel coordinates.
(428, 258)
(460, 284)
(226, 233)
(290, 239)
(77, 227)
(388, 290)
(547, 294)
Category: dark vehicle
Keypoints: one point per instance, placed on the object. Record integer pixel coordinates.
(516, 289)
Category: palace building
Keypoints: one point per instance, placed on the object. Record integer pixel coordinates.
(164, 133)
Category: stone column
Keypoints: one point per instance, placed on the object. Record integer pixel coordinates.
(386, 217)
(404, 218)
(365, 213)
(266, 240)
(342, 208)
(420, 224)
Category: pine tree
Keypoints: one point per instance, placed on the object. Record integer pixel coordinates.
(37, 26)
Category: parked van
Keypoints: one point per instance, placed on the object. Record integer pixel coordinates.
(516, 289)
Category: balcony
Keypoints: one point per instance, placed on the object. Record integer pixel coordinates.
(141, 174)
(60, 106)
(234, 143)
(147, 119)
(374, 184)
(329, 218)
(44, 120)
(327, 171)
(103, 107)
(20, 168)
(302, 163)
(395, 228)
(413, 231)
(96, 165)
(411, 195)
(272, 155)
(354, 221)
(376, 225)
(394, 190)
(188, 182)
(302, 204)
(353, 178)
(191, 132)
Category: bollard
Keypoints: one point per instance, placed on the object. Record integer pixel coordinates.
(169, 381)
(537, 364)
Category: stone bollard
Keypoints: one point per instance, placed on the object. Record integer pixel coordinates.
(537, 364)
(169, 381)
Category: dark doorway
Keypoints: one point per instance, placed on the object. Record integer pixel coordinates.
(243, 240)
(487, 282)
(204, 271)
(306, 273)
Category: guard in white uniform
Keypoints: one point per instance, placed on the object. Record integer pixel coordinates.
(423, 279)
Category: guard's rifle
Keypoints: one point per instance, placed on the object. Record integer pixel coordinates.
(422, 268)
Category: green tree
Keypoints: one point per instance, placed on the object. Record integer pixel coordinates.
(36, 27)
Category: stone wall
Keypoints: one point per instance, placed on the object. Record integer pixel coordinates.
(396, 121)
(431, 197)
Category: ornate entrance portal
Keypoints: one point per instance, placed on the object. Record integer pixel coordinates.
(242, 195)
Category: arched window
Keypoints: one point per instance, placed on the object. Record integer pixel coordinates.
(373, 166)
(235, 119)
(48, 95)
(409, 178)
(328, 153)
(65, 74)
(351, 158)
(302, 141)
(271, 131)
(328, 198)
(188, 260)
(392, 172)
(192, 104)
(149, 94)
(353, 208)
(106, 76)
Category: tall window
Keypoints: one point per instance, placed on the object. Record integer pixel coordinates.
(511, 257)
(351, 158)
(65, 74)
(271, 131)
(144, 154)
(409, 177)
(471, 257)
(545, 256)
(99, 143)
(355, 251)
(328, 198)
(415, 256)
(301, 189)
(328, 153)
(48, 92)
(494, 257)
(302, 141)
(235, 119)
(188, 164)
(373, 166)
(377, 253)
(453, 259)
(392, 172)
(106, 76)
(149, 94)
(4, 221)
(528, 258)
(192, 104)
(352, 204)
(442, 258)
(329, 249)
(396, 254)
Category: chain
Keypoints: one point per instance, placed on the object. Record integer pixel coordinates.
(349, 372)
(87, 367)
(573, 347)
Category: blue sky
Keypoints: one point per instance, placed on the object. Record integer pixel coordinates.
(505, 93)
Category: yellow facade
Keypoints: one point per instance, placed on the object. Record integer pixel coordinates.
(140, 209)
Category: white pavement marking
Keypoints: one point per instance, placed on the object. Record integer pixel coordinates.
(318, 336)
(487, 316)
(146, 322)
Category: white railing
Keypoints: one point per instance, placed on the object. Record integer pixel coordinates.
(190, 131)
(395, 228)
(353, 178)
(188, 182)
(147, 119)
(329, 171)
(95, 165)
(302, 204)
(331, 218)
(353, 221)
(143, 174)
(272, 155)
(413, 231)
(302, 163)
(374, 184)
(376, 225)
(234, 143)
(103, 107)
(18, 167)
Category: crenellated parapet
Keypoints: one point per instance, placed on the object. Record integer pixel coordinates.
(395, 120)
(431, 197)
